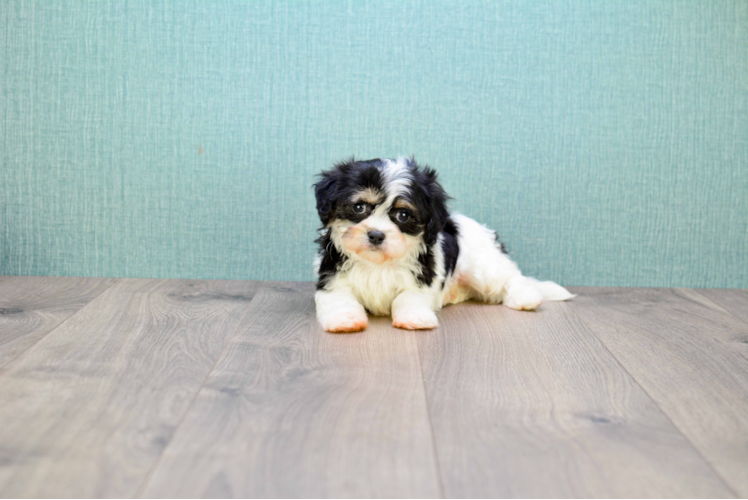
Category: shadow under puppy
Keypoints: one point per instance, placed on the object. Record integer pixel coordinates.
(388, 245)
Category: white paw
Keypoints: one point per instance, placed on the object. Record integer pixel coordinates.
(523, 298)
(415, 319)
(345, 321)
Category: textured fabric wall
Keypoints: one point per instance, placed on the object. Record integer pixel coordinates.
(606, 141)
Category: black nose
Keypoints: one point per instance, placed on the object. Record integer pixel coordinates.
(376, 237)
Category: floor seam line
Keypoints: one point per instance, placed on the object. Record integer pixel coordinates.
(741, 320)
(657, 404)
(3, 369)
(146, 482)
(440, 481)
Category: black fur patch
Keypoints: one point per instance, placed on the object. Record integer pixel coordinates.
(331, 260)
(430, 201)
(499, 244)
(428, 271)
(337, 186)
(450, 248)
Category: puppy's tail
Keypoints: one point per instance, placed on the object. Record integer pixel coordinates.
(552, 291)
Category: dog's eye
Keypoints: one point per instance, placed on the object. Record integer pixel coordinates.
(359, 208)
(402, 216)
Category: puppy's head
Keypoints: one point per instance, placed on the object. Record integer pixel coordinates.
(381, 210)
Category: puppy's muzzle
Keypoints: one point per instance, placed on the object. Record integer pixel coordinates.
(375, 237)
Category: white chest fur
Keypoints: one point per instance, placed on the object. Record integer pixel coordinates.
(375, 286)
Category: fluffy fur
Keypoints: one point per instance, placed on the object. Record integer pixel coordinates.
(389, 246)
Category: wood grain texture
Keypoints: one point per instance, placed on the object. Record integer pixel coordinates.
(32, 306)
(735, 301)
(88, 410)
(532, 405)
(292, 411)
(690, 356)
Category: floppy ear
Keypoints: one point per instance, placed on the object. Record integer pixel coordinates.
(437, 206)
(325, 191)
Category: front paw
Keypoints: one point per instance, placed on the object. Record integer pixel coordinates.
(345, 321)
(415, 319)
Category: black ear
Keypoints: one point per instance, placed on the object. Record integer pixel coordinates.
(325, 191)
(437, 206)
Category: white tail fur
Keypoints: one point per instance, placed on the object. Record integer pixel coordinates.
(551, 290)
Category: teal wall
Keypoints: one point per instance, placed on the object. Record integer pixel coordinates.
(607, 141)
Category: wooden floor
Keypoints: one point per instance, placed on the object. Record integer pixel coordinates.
(175, 388)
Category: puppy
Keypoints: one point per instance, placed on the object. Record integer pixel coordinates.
(388, 245)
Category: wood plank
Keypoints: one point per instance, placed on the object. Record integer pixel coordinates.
(87, 411)
(691, 358)
(33, 306)
(292, 411)
(735, 301)
(530, 404)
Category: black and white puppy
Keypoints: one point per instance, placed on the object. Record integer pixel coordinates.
(388, 245)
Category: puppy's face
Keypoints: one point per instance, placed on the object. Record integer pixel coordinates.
(380, 210)
(376, 230)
